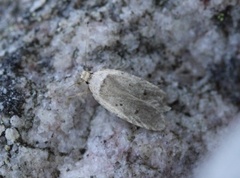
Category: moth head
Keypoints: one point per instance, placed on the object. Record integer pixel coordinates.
(85, 76)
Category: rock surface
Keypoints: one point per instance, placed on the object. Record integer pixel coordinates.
(51, 127)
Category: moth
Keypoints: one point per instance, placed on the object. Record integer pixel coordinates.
(129, 97)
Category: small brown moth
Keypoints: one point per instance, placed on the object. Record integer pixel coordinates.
(129, 97)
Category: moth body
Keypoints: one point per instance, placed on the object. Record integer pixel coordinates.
(129, 97)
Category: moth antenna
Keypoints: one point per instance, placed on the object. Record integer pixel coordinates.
(109, 51)
(86, 66)
(79, 94)
(87, 45)
(78, 82)
(72, 85)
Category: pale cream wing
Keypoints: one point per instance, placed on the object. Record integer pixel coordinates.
(133, 99)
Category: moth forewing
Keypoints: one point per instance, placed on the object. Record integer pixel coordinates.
(129, 97)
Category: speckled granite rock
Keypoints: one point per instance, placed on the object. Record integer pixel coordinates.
(51, 127)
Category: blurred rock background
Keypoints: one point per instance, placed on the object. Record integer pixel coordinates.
(51, 127)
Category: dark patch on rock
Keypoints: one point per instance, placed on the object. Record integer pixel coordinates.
(226, 76)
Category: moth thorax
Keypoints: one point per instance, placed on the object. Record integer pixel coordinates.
(85, 76)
